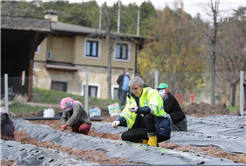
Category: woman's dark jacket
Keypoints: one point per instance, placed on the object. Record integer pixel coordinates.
(172, 107)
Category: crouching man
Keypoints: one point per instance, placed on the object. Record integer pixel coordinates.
(144, 115)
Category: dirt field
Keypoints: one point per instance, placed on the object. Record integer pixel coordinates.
(199, 110)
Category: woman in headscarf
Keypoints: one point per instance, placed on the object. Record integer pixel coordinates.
(74, 116)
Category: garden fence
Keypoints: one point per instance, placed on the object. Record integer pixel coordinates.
(26, 95)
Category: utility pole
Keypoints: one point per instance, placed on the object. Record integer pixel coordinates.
(100, 18)
(138, 22)
(118, 23)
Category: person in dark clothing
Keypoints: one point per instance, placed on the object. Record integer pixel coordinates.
(7, 126)
(177, 117)
(123, 81)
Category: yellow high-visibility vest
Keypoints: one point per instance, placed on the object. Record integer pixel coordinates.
(150, 97)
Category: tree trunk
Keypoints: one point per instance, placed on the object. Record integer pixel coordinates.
(213, 82)
(109, 65)
(233, 94)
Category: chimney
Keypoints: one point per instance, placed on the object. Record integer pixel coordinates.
(52, 15)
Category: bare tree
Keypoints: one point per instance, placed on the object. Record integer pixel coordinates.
(108, 24)
(225, 41)
(206, 34)
(209, 34)
(108, 14)
(233, 50)
(106, 32)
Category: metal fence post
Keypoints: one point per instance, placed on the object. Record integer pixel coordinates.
(6, 92)
(244, 86)
(156, 79)
(86, 94)
(241, 91)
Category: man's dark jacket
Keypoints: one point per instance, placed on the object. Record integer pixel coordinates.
(172, 107)
(120, 81)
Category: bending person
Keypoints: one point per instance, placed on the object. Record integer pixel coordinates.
(144, 104)
(171, 105)
(7, 126)
(74, 116)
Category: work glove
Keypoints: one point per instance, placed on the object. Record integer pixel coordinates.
(63, 127)
(133, 109)
(115, 124)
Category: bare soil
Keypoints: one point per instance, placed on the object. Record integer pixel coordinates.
(97, 156)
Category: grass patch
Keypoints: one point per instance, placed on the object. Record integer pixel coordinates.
(232, 108)
(54, 97)
(18, 107)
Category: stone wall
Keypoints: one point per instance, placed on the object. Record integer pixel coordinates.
(76, 80)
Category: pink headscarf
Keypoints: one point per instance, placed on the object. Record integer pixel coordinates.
(68, 103)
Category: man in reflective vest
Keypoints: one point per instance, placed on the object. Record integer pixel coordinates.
(143, 105)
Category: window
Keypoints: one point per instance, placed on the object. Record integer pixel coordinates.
(48, 55)
(122, 51)
(59, 85)
(115, 92)
(93, 90)
(92, 48)
(37, 50)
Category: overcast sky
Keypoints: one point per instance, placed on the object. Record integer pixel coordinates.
(190, 6)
